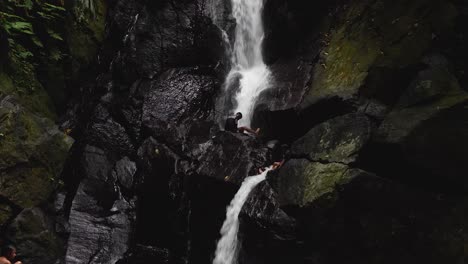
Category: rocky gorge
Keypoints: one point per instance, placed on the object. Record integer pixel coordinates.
(112, 149)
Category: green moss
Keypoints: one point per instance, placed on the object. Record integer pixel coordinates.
(301, 182)
(35, 237)
(5, 214)
(27, 187)
(86, 33)
(375, 33)
(20, 81)
(320, 179)
(32, 153)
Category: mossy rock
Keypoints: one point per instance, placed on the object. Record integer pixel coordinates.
(27, 187)
(5, 213)
(86, 32)
(25, 135)
(20, 80)
(32, 232)
(385, 222)
(32, 153)
(372, 34)
(337, 140)
(301, 182)
(433, 91)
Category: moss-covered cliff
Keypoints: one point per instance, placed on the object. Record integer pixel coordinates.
(37, 53)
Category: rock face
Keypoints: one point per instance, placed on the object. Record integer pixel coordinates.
(337, 140)
(100, 218)
(366, 110)
(35, 236)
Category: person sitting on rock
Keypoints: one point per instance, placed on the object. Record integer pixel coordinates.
(8, 255)
(231, 125)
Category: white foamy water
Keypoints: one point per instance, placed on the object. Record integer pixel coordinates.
(247, 57)
(226, 250)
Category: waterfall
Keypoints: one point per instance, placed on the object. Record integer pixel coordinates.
(247, 59)
(226, 250)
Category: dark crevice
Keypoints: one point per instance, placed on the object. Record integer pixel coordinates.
(289, 125)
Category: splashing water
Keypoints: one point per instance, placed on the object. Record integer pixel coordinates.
(247, 57)
(226, 250)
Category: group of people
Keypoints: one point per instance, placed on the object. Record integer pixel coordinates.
(232, 125)
(9, 255)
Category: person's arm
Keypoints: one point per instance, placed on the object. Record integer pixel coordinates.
(18, 262)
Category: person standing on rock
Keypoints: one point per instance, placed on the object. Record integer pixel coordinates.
(9, 255)
(232, 125)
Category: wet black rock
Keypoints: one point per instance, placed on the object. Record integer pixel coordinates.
(179, 97)
(232, 156)
(145, 254)
(100, 218)
(124, 172)
(358, 87)
(106, 133)
(267, 234)
(171, 35)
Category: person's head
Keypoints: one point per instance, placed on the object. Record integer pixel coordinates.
(9, 252)
(238, 115)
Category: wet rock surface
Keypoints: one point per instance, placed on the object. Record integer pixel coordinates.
(369, 96)
(100, 218)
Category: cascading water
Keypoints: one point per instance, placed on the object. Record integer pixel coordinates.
(226, 250)
(254, 77)
(247, 58)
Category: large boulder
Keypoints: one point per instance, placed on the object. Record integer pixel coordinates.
(100, 218)
(32, 153)
(105, 132)
(337, 140)
(301, 182)
(336, 206)
(33, 232)
(352, 52)
(425, 131)
(266, 232)
(184, 35)
(231, 157)
(179, 99)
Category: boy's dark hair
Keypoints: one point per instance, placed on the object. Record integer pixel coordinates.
(6, 250)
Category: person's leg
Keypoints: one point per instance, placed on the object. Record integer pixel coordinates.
(242, 129)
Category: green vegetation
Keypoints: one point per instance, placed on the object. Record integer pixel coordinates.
(35, 33)
(35, 22)
(375, 33)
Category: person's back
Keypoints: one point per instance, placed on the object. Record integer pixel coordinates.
(4, 260)
(231, 125)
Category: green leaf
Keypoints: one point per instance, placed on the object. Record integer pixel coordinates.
(54, 34)
(53, 7)
(56, 55)
(37, 42)
(28, 4)
(21, 27)
(11, 16)
(25, 54)
(45, 16)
